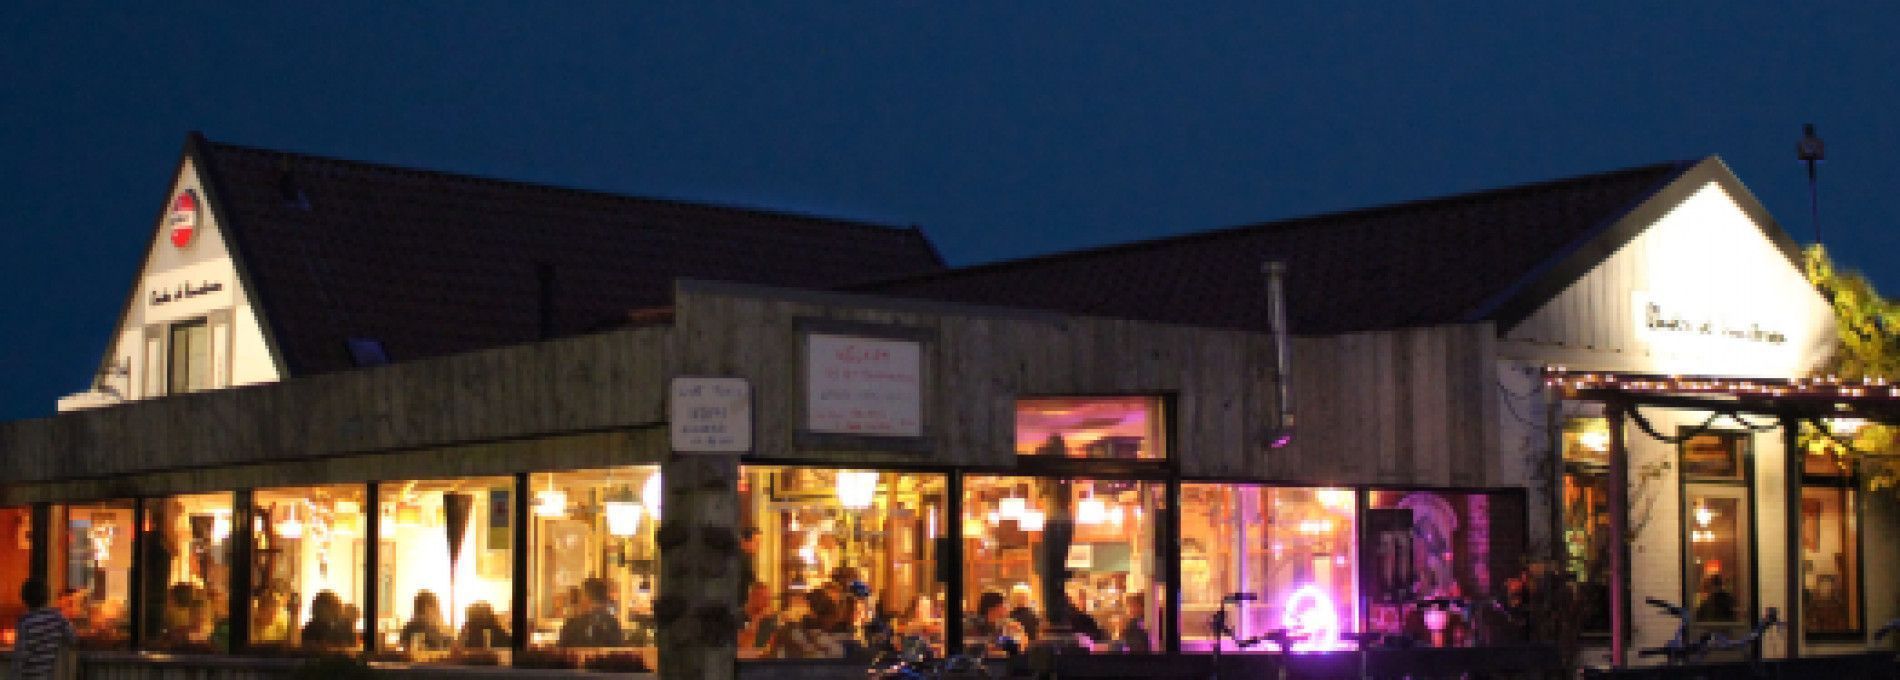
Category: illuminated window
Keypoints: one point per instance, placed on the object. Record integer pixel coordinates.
(307, 557)
(593, 568)
(1090, 427)
(446, 563)
(1045, 555)
(1293, 549)
(1586, 544)
(16, 551)
(1586, 440)
(90, 571)
(1423, 546)
(840, 563)
(190, 366)
(1830, 560)
(1718, 576)
(185, 571)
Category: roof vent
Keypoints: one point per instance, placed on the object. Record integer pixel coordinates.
(367, 352)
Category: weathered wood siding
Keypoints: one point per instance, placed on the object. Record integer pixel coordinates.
(1414, 406)
(595, 382)
(979, 362)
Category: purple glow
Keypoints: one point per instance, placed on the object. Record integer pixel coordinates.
(1311, 614)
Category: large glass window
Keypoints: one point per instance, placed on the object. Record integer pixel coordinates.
(1830, 560)
(16, 559)
(89, 571)
(307, 567)
(841, 563)
(1718, 532)
(446, 568)
(1293, 549)
(1048, 556)
(1428, 551)
(1090, 427)
(1586, 518)
(593, 566)
(186, 573)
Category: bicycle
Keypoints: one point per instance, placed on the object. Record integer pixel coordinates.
(1681, 650)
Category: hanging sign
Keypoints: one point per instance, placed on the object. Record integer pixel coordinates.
(863, 386)
(182, 220)
(710, 415)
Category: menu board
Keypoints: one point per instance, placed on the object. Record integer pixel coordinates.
(863, 386)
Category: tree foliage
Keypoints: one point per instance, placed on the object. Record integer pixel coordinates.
(1867, 345)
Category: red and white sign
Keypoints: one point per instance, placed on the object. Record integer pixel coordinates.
(183, 218)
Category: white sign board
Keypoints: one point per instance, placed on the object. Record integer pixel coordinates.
(863, 386)
(711, 415)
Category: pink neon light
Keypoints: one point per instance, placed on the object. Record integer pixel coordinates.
(1310, 614)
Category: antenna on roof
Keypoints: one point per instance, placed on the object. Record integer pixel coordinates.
(1812, 151)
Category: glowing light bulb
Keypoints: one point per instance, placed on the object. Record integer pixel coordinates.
(550, 502)
(1032, 520)
(623, 517)
(1091, 511)
(650, 495)
(1011, 508)
(855, 489)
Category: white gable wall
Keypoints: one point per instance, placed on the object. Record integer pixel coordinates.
(135, 360)
(1709, 270)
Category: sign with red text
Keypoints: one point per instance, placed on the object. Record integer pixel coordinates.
(863, 386)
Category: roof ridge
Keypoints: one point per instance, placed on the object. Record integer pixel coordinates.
(1301, 221)
(894, 229)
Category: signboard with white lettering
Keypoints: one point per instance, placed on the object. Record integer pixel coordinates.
(711, 415)
(858, 385)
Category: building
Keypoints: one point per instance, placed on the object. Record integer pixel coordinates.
(547, 428)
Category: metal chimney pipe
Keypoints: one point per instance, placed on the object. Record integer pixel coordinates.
(1282, 433)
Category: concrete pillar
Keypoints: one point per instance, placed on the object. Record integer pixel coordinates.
(698, 608)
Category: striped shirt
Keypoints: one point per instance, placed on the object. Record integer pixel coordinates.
(42, 633)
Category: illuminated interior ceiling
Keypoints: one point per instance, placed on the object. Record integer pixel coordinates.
(1082, 421)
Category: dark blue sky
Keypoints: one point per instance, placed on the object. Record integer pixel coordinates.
(1002, 129)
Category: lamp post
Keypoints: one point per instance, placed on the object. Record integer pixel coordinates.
(1812, 151)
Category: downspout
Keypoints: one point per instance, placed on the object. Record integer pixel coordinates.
(1282, 432)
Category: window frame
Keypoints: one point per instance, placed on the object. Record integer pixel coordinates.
(1744, 480)
(1849, 483)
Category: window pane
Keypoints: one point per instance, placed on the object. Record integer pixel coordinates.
(307, 564)
(843, 563)
(16, 555)
(447, 561)
(190, 369)
(186, 573)
(1090, 427)
(1830, 555)
(593, 568)
(1430, 545)
(1050, 556)
(1719, 550)
(1713, 455)
(1587, 440)
(1293, 548)
(1587, 544)
(90, 571)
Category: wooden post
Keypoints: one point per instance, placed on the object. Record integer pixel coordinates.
(698, 609)
(1792, 464)
(239, 553)
(1619, 534)
(42, 547)
(372, 555)
(519, 594)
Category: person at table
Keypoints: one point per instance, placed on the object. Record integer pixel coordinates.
(991, 623)
(596, 625)
(1718, 604)
(1134, 632)
(759, 636)
(329, 625)
(426, 629)
(812, 637)
(1023, 611)
(482, 629)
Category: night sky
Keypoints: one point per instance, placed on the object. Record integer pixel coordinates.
(1003, 129)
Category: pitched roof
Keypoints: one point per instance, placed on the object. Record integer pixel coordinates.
(431, 263)
(1457, 259)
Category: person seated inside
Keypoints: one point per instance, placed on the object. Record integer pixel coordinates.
(811, 637)
(184, 619)
(329, 625)
(1717, 604)
(483, 630)
(595, 625)
(1134, 632)
(759, 636)
(1022, 609)
(426, 630)
(992, 628)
